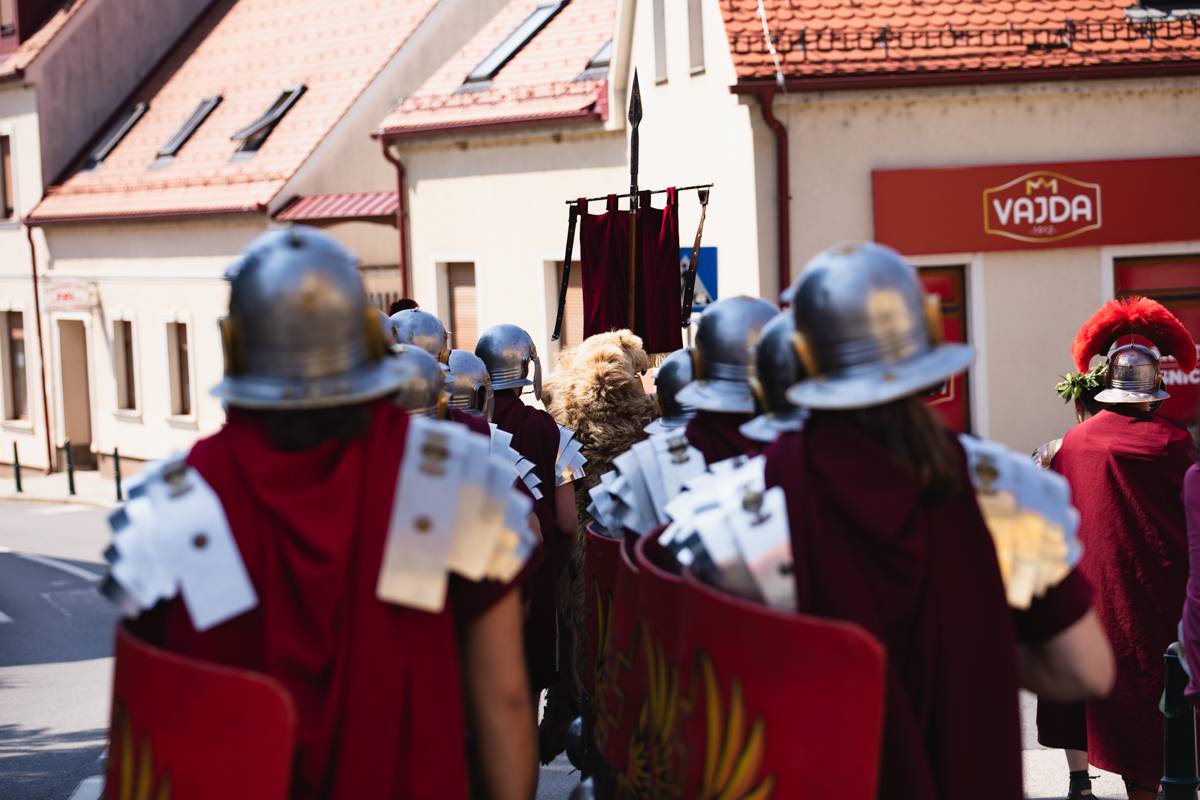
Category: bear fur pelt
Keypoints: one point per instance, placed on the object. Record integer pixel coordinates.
(596, 391)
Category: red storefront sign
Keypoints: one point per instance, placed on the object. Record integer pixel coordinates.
(1030, 206)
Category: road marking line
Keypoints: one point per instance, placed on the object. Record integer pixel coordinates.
(5, 618)
(89, 788)
(54, 563)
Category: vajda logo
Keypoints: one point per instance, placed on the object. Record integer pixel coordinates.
(1041, 206)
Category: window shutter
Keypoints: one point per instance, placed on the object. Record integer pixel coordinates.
(464, 310)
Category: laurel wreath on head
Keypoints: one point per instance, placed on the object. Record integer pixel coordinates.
(1075, 385)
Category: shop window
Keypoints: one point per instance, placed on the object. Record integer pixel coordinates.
(253, 135)
(696, 36)
(660, 41)
(464, 309)
(124, 365)
(7, 202)
(1173, 281)
(572, 327)
(952, 399)
(179, 364)
(16, 388)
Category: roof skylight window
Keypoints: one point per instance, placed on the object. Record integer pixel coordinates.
(188, 127)
(597, 66)
(115, 134)
(253, 135)
(513, 43)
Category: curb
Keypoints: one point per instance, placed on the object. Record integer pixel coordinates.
(76, 500)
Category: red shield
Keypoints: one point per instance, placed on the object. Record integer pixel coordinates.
(184, 729)
(617, 696)
(781, 705)
(599, 576)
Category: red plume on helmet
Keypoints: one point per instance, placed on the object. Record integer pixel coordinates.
(1134, 316)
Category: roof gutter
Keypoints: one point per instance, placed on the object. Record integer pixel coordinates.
(850, 82)
(140, 216)
(401, 213)
(590, 114)
(37, 315)
(765, 94)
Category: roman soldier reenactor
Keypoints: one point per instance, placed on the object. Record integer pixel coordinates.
(1126, 466)
(720, 388)
(673, 374)
(326, 545)
(886, 532)
(777, 368)
(509, 352)
(421, 329)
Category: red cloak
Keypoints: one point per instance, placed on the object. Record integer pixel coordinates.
(476, 422)
(716, 435)
(535, 436)
(1126, 474)
(922, 577)
(376, 686)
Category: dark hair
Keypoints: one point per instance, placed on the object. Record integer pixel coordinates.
(916, 438)
(403, 304)
(304, 429)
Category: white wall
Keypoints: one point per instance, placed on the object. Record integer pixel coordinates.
(1032, 301)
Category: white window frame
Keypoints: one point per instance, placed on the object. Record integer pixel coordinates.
(188, 419)
(133, 414)
(658, 15)
(5, 378)
(695, 37)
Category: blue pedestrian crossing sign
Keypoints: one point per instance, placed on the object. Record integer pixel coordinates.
(706, 276)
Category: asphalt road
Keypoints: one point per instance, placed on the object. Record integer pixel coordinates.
(55, 649)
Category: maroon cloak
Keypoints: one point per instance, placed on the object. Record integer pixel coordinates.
(922, 577)
(717, 437)
(535, 436)
(1126, 474)
(1191, 608)
(475, 422)
(376, 686)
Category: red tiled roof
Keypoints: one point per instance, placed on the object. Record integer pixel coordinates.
(541, 82)
(327, 207)
(817, 39)
(248, 51)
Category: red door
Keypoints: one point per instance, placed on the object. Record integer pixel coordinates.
(952, 400)
(1174, 282)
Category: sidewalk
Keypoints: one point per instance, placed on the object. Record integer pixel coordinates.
(91, 488)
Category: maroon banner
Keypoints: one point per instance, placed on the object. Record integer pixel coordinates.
(1036, 206)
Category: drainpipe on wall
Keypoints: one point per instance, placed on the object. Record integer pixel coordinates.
(37, 315)
(401, 216)
(766, 97)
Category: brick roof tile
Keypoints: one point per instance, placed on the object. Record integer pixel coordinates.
(248, 51)
(541, 82)
(827, 38)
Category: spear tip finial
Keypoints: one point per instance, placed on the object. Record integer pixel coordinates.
(635, 101)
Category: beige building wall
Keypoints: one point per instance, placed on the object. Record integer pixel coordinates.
(150, 274)
(1024, 305)
(19, 121)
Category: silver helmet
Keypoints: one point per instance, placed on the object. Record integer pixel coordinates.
(386, 328)
(673, 374)
(507, 351)
(777, 368)
(424, 330)
(299, 333)
(721, 357)
(468, 384)
(422, 383)
(1133, 376)
(866, 331)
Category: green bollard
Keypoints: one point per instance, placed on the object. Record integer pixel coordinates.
(70, 469)
(17, 468)
(117, 473)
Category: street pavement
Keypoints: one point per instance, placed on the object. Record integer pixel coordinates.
(55, 649)
(56, 666)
